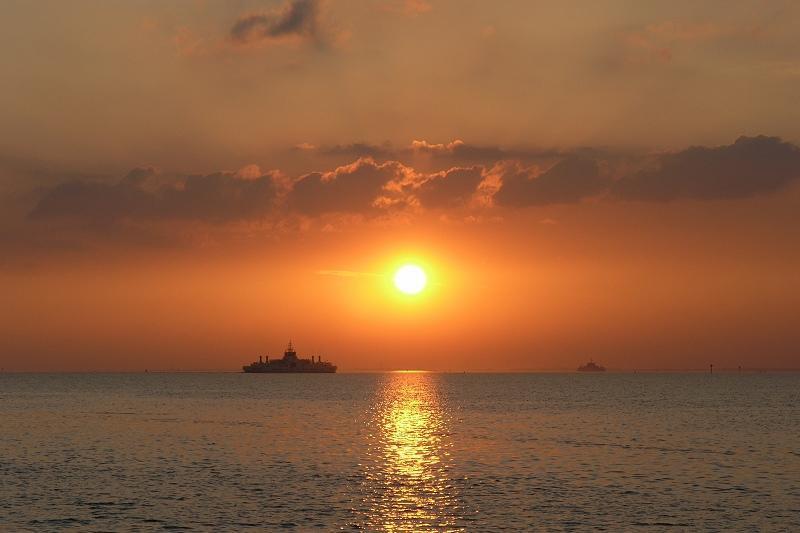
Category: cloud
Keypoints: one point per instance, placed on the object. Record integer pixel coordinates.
(453, 153)
(348, 274)
(351, 188)
(408, 8)
(97, 202)
(416, 7)
(429, 156)
(657, 43)
(297, 19)
(450, 188)
(361, 149)
(460, 150)
(220, 196)
(570, 180)
(139, 176)
(749, 166)
(213, 198)
(304, 147)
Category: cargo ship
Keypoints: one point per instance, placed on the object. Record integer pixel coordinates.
(591, 366)
(290, 363)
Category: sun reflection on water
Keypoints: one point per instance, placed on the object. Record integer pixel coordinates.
(407, 483)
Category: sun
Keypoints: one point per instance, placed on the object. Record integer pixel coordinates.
(410, 279)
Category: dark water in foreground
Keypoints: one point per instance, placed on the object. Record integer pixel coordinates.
(409, 452)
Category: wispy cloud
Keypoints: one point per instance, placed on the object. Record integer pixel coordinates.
(348, 274)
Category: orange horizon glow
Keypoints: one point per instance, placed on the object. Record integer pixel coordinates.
(240, 187)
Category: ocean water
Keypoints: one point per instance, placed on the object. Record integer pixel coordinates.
(400, 452)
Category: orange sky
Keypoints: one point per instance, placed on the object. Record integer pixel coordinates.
(188, 186)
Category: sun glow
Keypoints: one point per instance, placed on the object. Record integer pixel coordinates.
(410, 279)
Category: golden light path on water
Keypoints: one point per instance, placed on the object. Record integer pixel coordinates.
(407, 483)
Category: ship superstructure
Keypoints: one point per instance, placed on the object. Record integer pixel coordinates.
(290, 363)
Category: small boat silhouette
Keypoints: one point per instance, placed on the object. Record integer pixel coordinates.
(591, 366)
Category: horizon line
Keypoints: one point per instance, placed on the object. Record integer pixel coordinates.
(726, 370)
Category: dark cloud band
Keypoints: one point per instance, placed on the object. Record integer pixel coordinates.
(219, 197)
(748, 167)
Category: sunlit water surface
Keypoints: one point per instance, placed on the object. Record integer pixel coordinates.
(400, 452)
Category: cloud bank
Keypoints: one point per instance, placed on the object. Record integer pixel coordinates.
(748, 167)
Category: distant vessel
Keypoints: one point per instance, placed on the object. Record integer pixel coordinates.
(591, 366)
(290, 363)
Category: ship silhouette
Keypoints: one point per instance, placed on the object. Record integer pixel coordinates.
(591, 366)
(290, 363)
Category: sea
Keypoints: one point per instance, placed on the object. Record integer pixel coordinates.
(400, 451)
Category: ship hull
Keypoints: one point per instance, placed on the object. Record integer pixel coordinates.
(248, 370)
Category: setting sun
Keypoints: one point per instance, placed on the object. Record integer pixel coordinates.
(410, 279)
